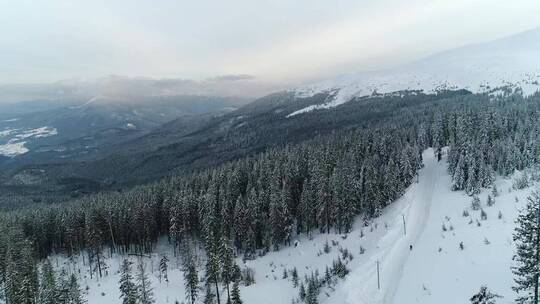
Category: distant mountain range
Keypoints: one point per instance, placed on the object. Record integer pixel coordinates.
(510, 63)
(69, 146)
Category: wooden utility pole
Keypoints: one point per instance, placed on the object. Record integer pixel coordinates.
(378, 277)
(537, 257)
(404, 226)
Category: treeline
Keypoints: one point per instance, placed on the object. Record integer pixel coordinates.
(257, 203)
(496, 137)
(261, 202)
(252, 205)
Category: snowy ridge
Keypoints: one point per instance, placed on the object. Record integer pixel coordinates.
(509, 62)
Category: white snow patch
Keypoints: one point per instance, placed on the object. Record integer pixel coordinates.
(15, 144)
(12, 149)
(7, 132)
(88, 102)
(37, 133)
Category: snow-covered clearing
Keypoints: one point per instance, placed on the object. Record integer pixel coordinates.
(13, 141)
(436, 270)
(12, 149)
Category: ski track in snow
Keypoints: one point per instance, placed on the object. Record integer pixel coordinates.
(415, 205)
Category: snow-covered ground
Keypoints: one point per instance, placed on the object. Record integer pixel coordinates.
(436, 270)
(13, 141)
(509, 62)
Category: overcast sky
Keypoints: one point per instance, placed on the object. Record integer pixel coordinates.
(276, 41)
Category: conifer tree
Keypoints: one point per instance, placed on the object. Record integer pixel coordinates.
(191, 276)
(484, 296)
(163, 268)
(235, 294)
(527, 238)
(128, 290)
(74, 291)
(144, 288)
(227, 265)
(48, 288)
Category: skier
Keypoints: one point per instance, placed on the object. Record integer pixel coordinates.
(439, 155)
(410, 247)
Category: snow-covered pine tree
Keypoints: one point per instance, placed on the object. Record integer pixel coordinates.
(74, 291)
(278, 213)
(342, 194)
(69, 291)
(213, 264)
(527, 257)
(163, 268)
(490, 201)
(312, 292)
(494, 191)
(484, 296)
(475, 204)
(128, 289)
(191, 275)
(21, 283)
(324, 201)
(472, 186)
(294, 277)
(307, 215)
(302, 291)
(241, 220)
(235, 294)
(458, 178)
(48, 287)
(144, 288)
(227, 265)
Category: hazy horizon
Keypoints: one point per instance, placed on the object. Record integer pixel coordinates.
(273, 41)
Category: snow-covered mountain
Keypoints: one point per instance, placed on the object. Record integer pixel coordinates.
(509, 62)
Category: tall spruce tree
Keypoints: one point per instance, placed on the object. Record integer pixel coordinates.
(75, 295)
(527, 239)
(191, 275)
(48, 288)
(235, 296)
(128, 289)
(144, 288)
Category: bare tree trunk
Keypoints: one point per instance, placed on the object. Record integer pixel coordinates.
(217, 292)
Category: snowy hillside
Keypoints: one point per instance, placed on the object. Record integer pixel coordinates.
(509, 62)
(436, 270)
(12, 141)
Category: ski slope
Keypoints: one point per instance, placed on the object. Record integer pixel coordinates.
(434, 271)
(392, 249)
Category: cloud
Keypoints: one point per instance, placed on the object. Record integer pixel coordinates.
(279, 41)
(123, 88)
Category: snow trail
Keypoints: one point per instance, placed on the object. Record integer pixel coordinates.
(394, 246)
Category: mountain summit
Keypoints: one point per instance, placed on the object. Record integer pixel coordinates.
(511, 62)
